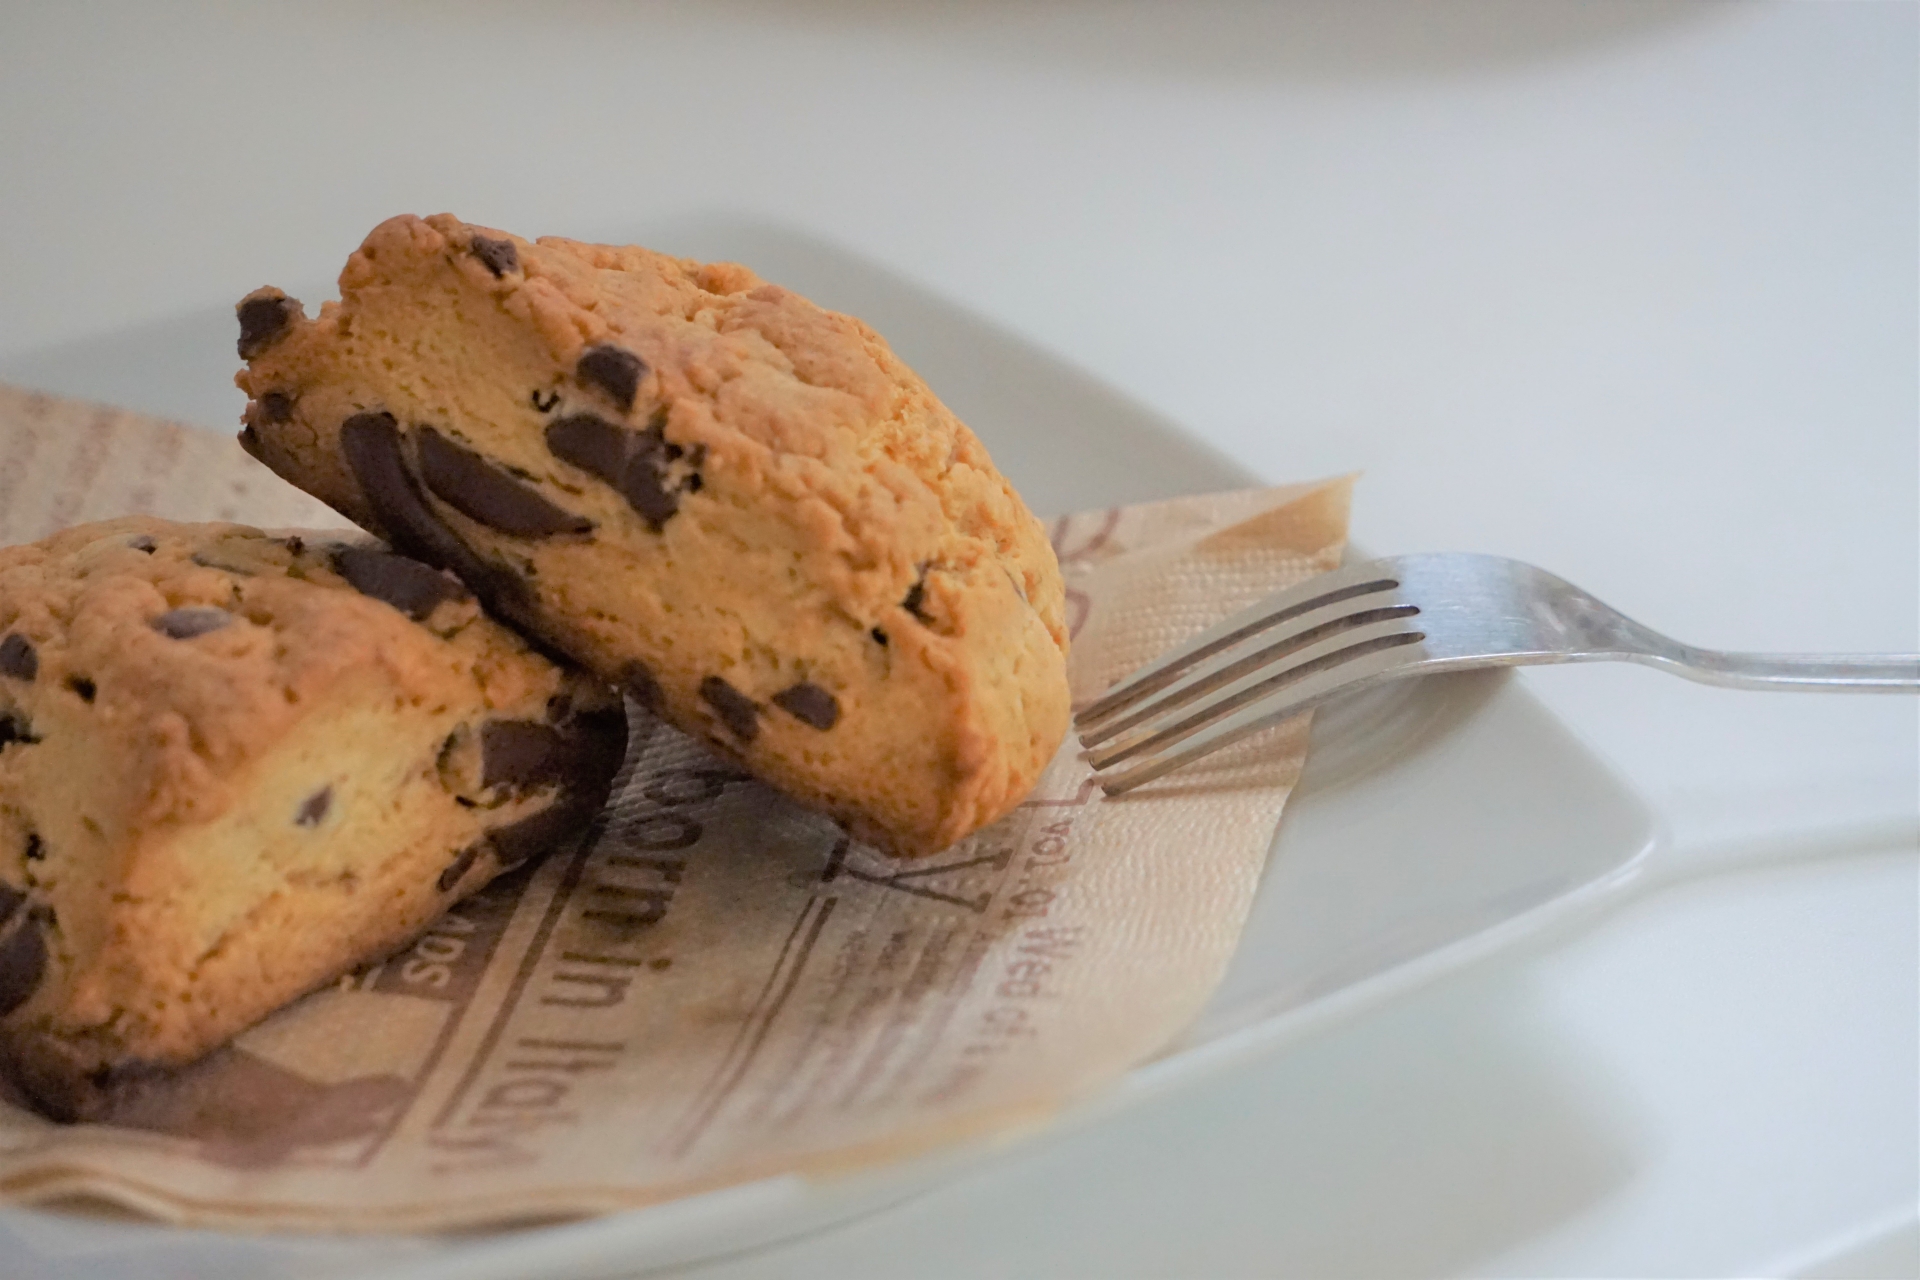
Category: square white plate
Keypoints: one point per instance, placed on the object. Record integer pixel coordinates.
(1437, 820)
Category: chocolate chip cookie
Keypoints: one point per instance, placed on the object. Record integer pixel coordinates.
(234, 765)
(742, 508)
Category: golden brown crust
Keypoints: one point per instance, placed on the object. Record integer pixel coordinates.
(234, 764)
(191, 715)
(814, 515)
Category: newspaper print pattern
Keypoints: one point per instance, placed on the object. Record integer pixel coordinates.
(715, 984)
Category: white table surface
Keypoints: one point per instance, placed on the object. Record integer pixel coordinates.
(1628, 290)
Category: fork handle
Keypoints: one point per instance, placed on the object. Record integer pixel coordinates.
(1843, 673)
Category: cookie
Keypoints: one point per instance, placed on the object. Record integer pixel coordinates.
(234, 765)
(741, 507)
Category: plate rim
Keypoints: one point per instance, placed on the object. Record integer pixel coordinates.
(671, 1233)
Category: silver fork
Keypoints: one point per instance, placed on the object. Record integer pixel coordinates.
(1404, 616)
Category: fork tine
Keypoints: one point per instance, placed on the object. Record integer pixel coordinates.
(1283, 703)
(1229, 665)
(1332, 654)
(1316, 593)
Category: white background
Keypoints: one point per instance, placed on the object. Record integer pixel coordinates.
(1628, 290)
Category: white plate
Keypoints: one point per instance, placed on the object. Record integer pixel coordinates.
(1436, 820)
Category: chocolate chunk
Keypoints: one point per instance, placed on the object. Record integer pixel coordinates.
(499, 255)
(23, 960)
(598, 745)
(637, 679)
(195, 620)
(809, 703)
(879, 636)
(294, 543)
(371, 442)
(736, 710)
(461, 864)
(250, 442)
(601, 738)
(481, 491)
(36, 847)
(18, 659)
(16, 728)
(274, 407)
(644, 486)
(614, 370)
(263, 318)
(544, 405)
(523, 755)
(23, 950)
(313, 810)
(590, 443)
(916, 596)
(409, 586)
(82, 686)
(633, 462)
(143, 543)
(538, 835)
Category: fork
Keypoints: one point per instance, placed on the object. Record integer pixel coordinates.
(1413, 615)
